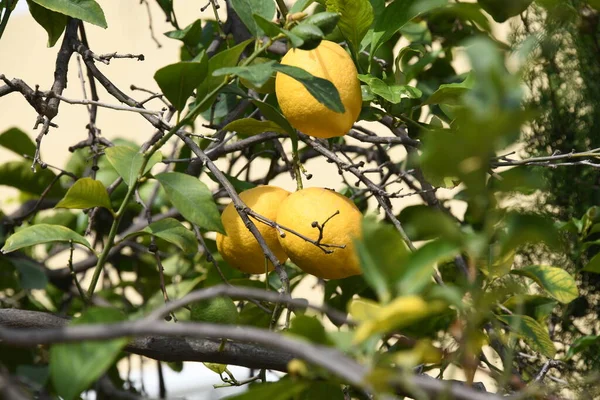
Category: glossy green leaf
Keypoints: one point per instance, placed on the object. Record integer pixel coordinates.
(593, 265)
(39, 234)
(392, 93)
(419, 268)
(74, 366)
(270, 28)
(18, 174)
(300, 5)
(258, 74)
(274, 115)
(127, 161)
(245, 9)
(581, 344)
(556, 281)
(225, 58)
(396, 15)
(321, 89)
(54, 23)
(17, 141)
(451, 93)
(532, 332)
(356, 17)
(383, 255)
(193, 199)
(190, 35)
(178, 81)
(172, 231)
(86, 193)
(251, 126)
(85, 10)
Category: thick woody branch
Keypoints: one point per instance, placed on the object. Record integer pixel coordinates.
(256, 347)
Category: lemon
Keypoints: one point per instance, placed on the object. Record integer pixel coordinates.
(328, 61)
(239, 248)
(313, 211)
(220, 310)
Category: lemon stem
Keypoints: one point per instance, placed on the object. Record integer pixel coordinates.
(297, 170)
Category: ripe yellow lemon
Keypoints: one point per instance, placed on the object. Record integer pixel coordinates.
(328, 61)
(315, 211)
(239, 248)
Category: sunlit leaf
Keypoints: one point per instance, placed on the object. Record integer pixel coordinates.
(85, 10)
(127, 161)
(86, 193)
(556, 281)
(532, 332)
(39, 234)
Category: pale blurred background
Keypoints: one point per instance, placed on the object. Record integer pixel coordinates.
(24, 55)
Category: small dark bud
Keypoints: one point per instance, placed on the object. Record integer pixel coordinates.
(95, 168)
(153, 248)
(43, 165)
(314, 224)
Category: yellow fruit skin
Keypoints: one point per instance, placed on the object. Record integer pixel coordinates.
(328, 61)
(239, 248)
(298, 212)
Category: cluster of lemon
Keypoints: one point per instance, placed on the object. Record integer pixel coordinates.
(315, 227)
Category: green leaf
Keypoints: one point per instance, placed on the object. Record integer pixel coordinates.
(419, 268)
(593, 265)
(556, 281)
(17, 141)
(257, 74)
(251, 126)
(225, 58)
(127, 161)
(18, 174)
(178, 81)
(32, 275)
(39, 234)
(54, 23)
(537, 307)
(321, 89)
(193, 200)
(528, 228)
(85, 10)
(245, 9)
(309, 328)
(300, 5)
(319, 390)
(395, 16)
(501, 10)
(190, 35)
(275, 116)
(284, 389)
(392, 93)
(74, 366)
(86, 193)
(425, 223)
(172, 231)
(270, 28)
(382, 254)
(451, 93)
(356, 17)
(580, 344)
(532, 332)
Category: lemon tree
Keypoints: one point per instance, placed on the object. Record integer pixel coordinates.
(337, 191)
